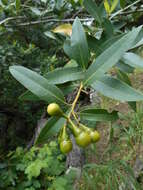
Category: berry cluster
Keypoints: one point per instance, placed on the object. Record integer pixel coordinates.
(83, 134)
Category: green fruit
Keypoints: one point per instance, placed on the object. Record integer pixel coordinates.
(83, 139)
(84, 128)
(75, 130)
(65, 146)
(95, 136)
(54, 109)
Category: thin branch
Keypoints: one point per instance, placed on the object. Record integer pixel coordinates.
(122, 10)
(11, 18)
(50, 20)
(131, 12)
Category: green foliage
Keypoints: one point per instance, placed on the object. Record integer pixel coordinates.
(77, 47)
(93, 114)
(94, 76)
(38, 168)
(112, 175)
(100, 54)
(37, 84)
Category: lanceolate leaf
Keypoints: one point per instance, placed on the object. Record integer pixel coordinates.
(37, 84)
(62, 75)
(58, 76)
(92, 114)
(110, 57)
(98, 46)
(28, 96)
(43, 135)
(124, 67)
(107, 7)
(92, 8)
(116, 89)
(124, 77)
(77, 47)
(52, 127)
(133, 60)
(17, 4)
(114, 5)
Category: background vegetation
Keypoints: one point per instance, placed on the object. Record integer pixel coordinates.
(30, 37)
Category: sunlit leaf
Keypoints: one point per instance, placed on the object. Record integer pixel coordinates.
(110, 56)
(92, 114)
(37, 84)
(116, 89)
(64, 28)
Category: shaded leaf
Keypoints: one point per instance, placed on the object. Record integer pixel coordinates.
(93, 9)
(18, 4)
(124, 67)
(28, 96)
(43, 135)
(98, 46)
(124, 77)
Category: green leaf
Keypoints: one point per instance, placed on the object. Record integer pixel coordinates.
(58, 76)
(62, 75)
(110, 57)
(50, 35)
(93, 9)
(52, 127)
(56, 127)
(114, 5)
(124, 77)
(37, 84)
(43, 135)
(124, 67)
(116, 89)
(18, 4)
(33, 169)
(77, 47)
(133, 60)
(93, 114)
(28, 96)
(67, 88)
(123, 3)
(65, 29)
(98, 46)
(36, 11)
(139, 40)
(107, 7)
(108, 27)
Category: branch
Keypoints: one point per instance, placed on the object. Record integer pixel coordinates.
(11, 18)
(122, 10)
(131, 12)
(50, 20)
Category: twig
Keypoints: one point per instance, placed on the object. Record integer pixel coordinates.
(75, 100)
(11, 18)
(131, 12)
(122, 10)
(49, 20)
